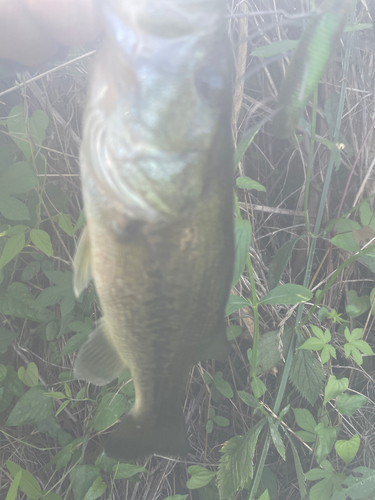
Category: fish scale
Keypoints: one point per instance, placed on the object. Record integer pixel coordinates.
(156, 164)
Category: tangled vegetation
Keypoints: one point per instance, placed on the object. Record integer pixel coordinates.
(291, 414)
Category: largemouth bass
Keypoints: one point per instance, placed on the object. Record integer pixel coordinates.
(156, 164)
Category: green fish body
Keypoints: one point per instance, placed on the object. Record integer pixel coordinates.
(156, 164)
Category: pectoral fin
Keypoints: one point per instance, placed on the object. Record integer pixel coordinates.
(82, 263)
(97, 360)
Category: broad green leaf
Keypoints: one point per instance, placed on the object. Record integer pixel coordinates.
(126, 471)
(275, 48)
(357, 305)
(12, 492)
(306, 374)
(82, 477)
(326, 438)
(96, 490)
(81, 221)
(358, 487)
(3, 372)
(346, 242)
(18, 301)
(242, 237)
(13, 247)
(258, 387)
(28, 484)
(17, 179)
(7, 337)
(51, 426)
(11, 387)
(110, 409)
(236, 463)
(85, 326)
(52, 496)
(222, 385)
(313, 344)
(365, 213)
(287, 294)
(248, 399)
(33, 406)
(19, 130)
(271, 348)
(347, 404)
(279, 262)
(177, 497)
(247, 183)
(62, 291)
(29, 376)
(304, 419)
(209, 426)
(66, 224)
(222, 421)
(233, 331)
(42, 240)
(12, 208)
(30, 271)
(347, 450)
(265, 495)
(199, 477)
(234, 304)
(335, 387)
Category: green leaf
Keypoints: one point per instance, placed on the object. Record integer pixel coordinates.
(287, 294)
(304, 419)
(18, 301)
(247, 183)
(279, 262)
(52, 496)
(258, 387)
(199, 477)
(63, 291)
(82, 477)
(233, 331)
(28, 484)
(19, 130)
(306, 374)
(347, 404)
(346, 242)
(66, 224)
(222, 421)
(276, 438)
(275, 48)
(13, 247)
(81, 221)
(12, 208)
(7, 337)
(334, 387)
(32, 407)
(326, 438)
(30, 376)
(236, 464)
(298, 468)
(177, 497)
(18, 179)
(313, 344)
(234, 304)
(358, 487)
(222, 385)
(248, 399)
(242, 236)
(357, 305)
(96, 490)
(111, 407)
(12, 492)
(347, 450)
(209, 426)
(126, 471)
(30, 271)
(3, 372)
(271, 348)
(365, 213)
(42, 240)
(244, 144)
(56, 395)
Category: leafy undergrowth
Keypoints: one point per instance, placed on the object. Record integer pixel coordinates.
(290, 416)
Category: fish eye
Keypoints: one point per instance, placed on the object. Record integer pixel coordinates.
(209, 83)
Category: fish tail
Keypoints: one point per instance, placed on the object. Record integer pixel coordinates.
(164, 436)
